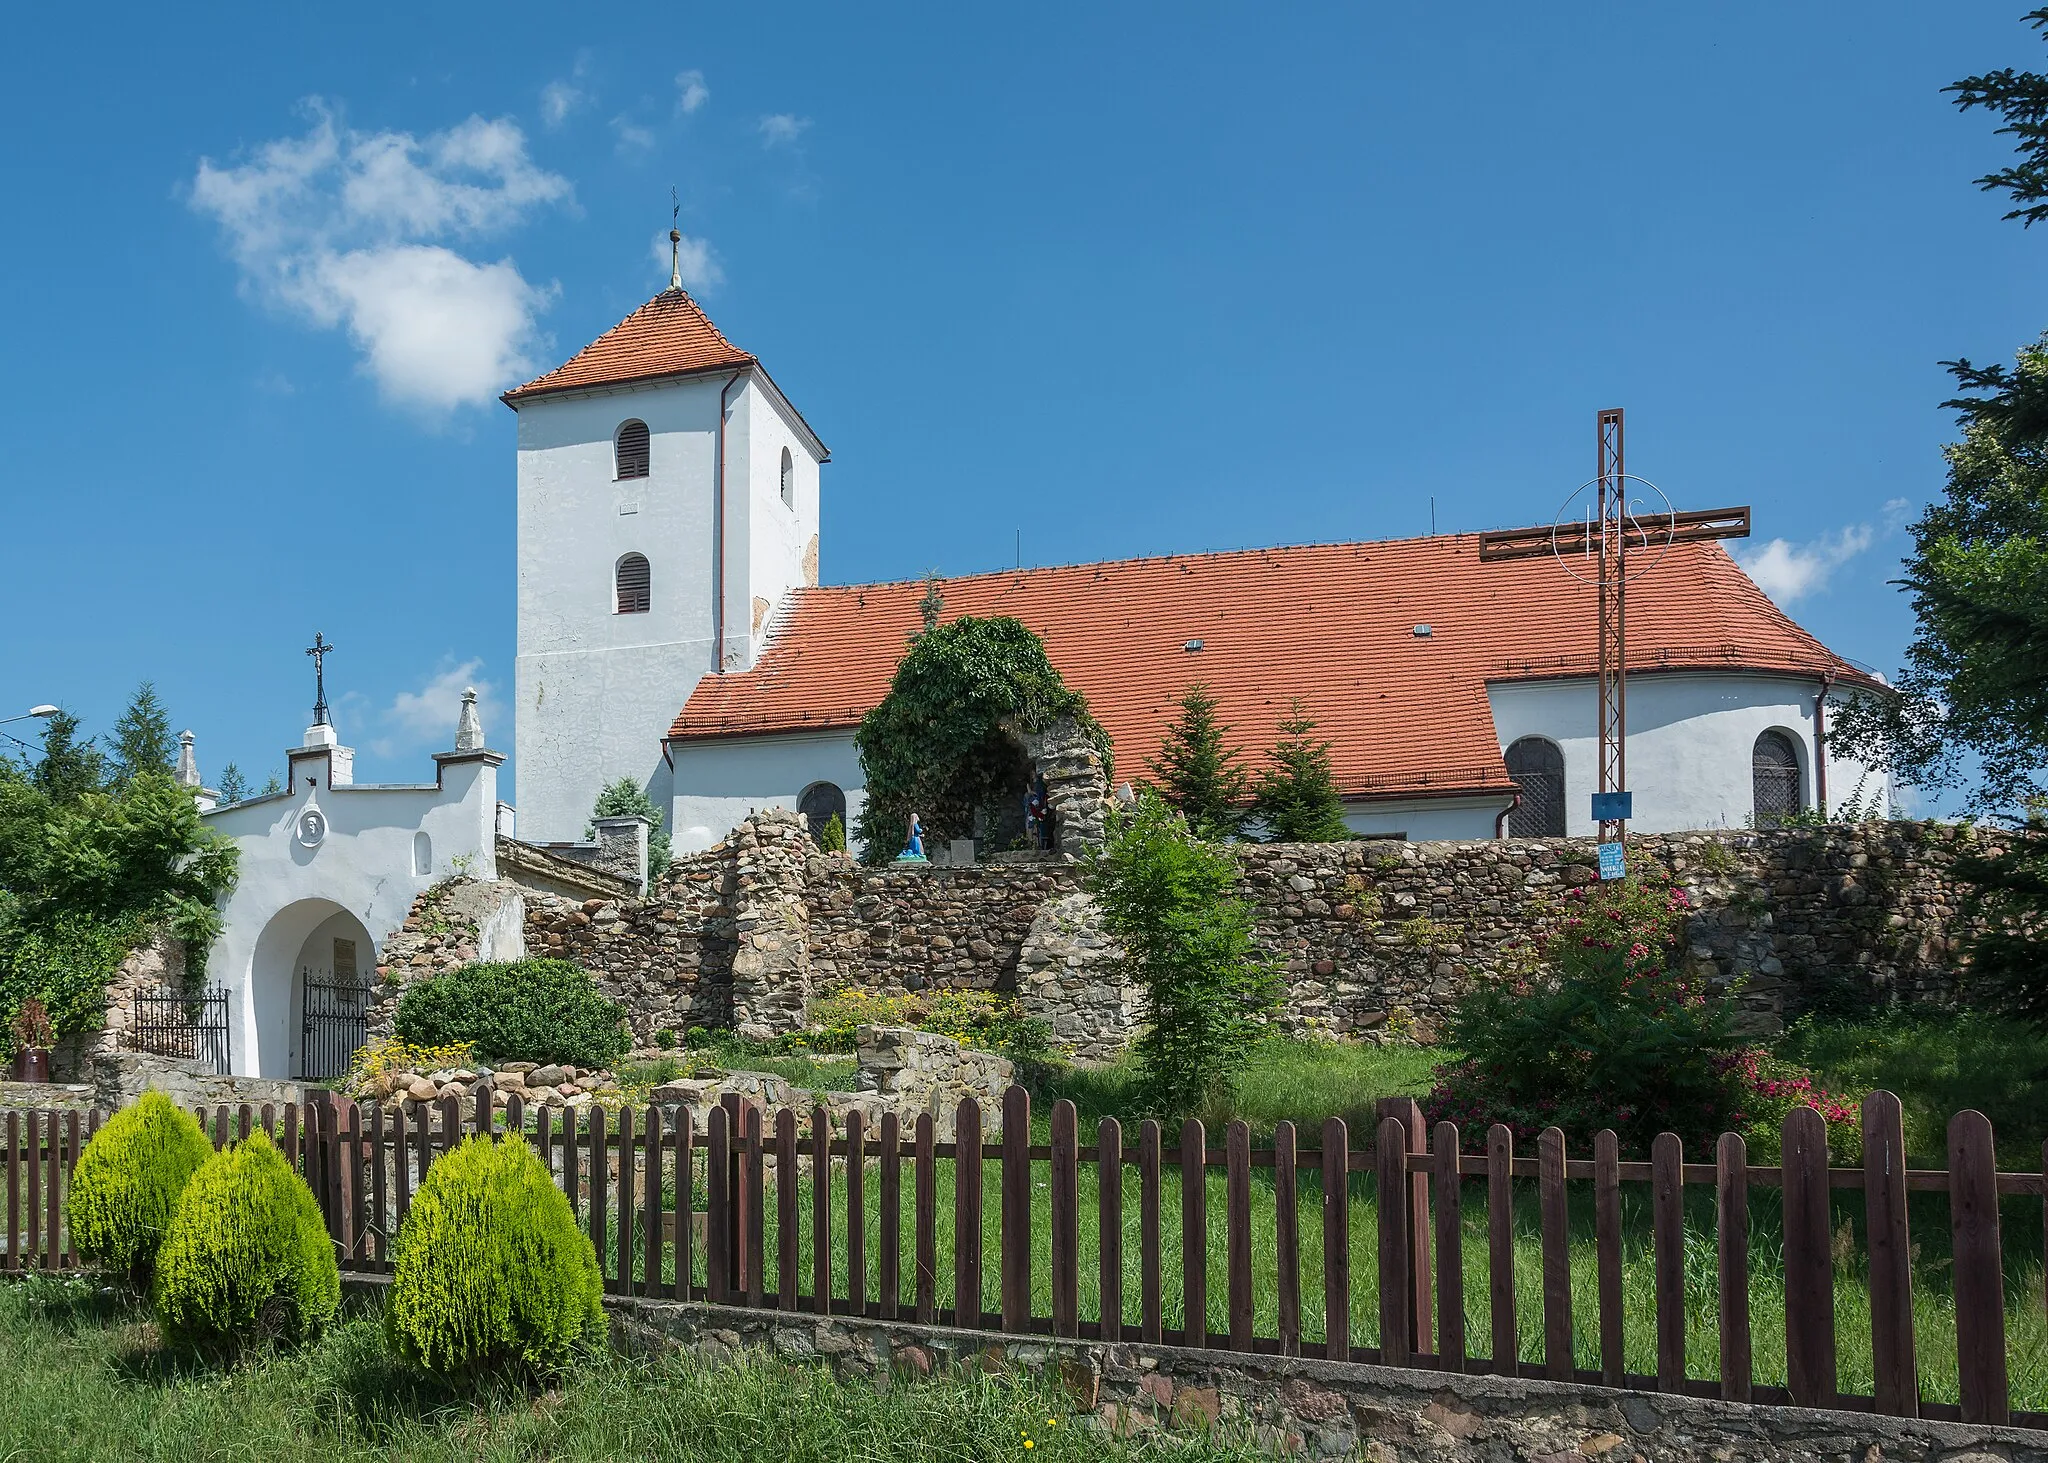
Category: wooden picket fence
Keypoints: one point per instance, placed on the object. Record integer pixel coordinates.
(633, 1176)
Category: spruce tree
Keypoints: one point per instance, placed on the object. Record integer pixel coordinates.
(70, 766)
(233, 786)
(1297, 799)
(1198, 774)
(142, 738)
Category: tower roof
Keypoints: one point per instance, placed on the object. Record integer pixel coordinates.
(670, 335)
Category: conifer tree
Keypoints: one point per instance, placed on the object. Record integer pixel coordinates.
(1198, 774)
(70, 766)
(233, 786)
(1297, 799)
(626, 799)
(142, 737)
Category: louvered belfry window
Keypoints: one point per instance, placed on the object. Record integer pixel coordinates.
(1537, 766)
(635, 593)
(788, 479)
(631, 449)
(1774, 776)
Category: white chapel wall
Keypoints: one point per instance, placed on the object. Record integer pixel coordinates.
(778, 538)
(597, 690)
(717, 783)
(1690, 740)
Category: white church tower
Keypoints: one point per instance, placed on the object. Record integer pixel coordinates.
(668, 500)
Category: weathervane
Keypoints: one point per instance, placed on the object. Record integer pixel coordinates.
(1611, 521)
(319, 651)
(675, 239)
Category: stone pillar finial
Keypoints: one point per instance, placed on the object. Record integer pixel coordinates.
(469, 731)
(188, 763)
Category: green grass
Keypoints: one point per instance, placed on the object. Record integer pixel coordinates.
(85, 1379)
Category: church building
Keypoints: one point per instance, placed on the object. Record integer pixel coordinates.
(673, 629)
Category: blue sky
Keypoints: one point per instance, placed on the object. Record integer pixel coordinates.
(1131, 279)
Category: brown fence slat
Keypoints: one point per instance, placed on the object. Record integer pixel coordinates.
(515, 1114)
(65, 1254)
(1065, 1194)
(1109, 1227)
(652, 1247)
(222, 1135)
(1449, 1211)
(821, 1210)
(967, 1214)
(268, 1111)
(380, 1233)
(1286, 1240)
(629, 1212)
(331, 1166)
(1607, 1252)
(243, 1118)
(752, 1195)
(14, 1191)
(889, 1280)
(1979, 1270)
(925, 1237)
(451, 1124)
(1390, 1150)
(1731, 1261)
(292, 1155)
(686, 1201)
(33, 1247)
(788, 1237)
(1557, 1256)
(483, 1109)
(1895, 1382)
(350, 1153)
(1237, 1231)
(572, 1161)
(718, 1207)
(598, 1165)
(1667, 1236)
(856, 1214)
(53, 1198)
(1151, 1305)
(1015, 1213)
(1336, 1240)
(1500, 1248)
(1809, 1263)
(1194, 1234)
(1418, 1286)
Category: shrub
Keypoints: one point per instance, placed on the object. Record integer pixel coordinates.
(545, 1011)
(985, 1021)
(490, 1266)
(1766, 1088)
(127, 1182)
(1188, 946)
(247, 1256)
(832, 837)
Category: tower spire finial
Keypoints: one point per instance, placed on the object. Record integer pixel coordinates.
(675, 240)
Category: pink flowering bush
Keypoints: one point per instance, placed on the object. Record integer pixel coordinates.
(1766, 1088)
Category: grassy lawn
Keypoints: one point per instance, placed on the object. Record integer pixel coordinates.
(85, 1379)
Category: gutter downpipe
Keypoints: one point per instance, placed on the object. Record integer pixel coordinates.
(1820, 745)
(1500, 824)
(718, 535)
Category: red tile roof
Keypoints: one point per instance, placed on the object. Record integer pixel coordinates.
(668, 336)
(1332, 624)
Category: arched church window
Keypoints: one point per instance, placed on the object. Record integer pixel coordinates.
(820, 804)
(630, 450)
(1537, 766)
(635, 593)
(788, 479)
(1774, 778)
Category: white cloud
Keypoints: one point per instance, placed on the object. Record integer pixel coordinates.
(700, 267)
(782, 129)
(426, 717)
(345, 229)
(1898, 512)
(633, 138)
(559, 98)
(691, 92)
(1787, 571)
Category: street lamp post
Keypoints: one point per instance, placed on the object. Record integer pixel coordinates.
(35, 711)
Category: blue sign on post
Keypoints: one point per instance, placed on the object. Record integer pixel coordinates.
(1611, 863)
(1613, 807)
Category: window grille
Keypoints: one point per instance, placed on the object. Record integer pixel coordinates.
(1774, 776)
(1537, 766)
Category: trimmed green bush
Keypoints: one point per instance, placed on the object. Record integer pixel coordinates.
(127, 1182)
(247, 1257)
(490, 1266)
(546, 1011)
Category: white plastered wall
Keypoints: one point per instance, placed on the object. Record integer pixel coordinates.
(1690, 739)
(1421, 819)
(718, 782)
(770, 540)
(364, 867)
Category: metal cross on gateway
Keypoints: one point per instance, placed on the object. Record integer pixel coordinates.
(319, 650)
(1611, 527)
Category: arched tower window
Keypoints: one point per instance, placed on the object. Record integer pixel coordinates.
(820, 804)
(788, 479)
(630, 450)
(635, 591)
(1774, 779)
(1537, 766)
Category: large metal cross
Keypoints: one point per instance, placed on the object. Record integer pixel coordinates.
(1610, 528)
(319, 651)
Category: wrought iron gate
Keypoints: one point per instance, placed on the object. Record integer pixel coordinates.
(335, 1021)
(171, 1021)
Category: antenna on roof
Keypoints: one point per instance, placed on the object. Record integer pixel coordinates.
(1020, 548)
(675, 240)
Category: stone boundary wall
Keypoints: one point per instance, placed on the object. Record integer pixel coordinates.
(1325, 1409)
(1377, 938)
